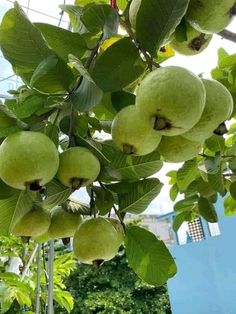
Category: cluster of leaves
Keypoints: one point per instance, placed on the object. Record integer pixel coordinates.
(114, 288)
(17, 291)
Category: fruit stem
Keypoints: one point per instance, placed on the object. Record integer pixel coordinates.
(149, 60)
(76, 183)
(129, 149)
(92, 204)
(33, 186)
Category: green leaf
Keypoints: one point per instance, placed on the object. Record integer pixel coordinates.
(52, 131)
(64, 299)
(94, 146)
(232, 190)
(63, 42)
(13, 209)
(6, 191)
(156, 21)
(186, 204)
(122, 99)
(22, 297)
(118, 66)
(217, 182)
(123, 167)
(8, 123)
(30, 105)
(215, 143)
(26, 49)
(97, 17)
(230, 206)
(207, 210)
(75, 13)
(56, 194)
(187, 174)
(148, 256)
(135, 197)
(211, 165)
(104, 200)
(181, 218)
(86, 96)
(104, 110)
(174, 190)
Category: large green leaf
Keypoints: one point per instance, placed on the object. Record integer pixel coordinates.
(135, 197)
(8, 123)
(230, 206)
(181, 218)
(56, 194)
(148, 256)
(118, 66)
(13, 209)
(156, 20)
(75, 12)
(187, 174)
(26, 49)
(124, 167)
(97, 17)
(62, 41)
(207, 210)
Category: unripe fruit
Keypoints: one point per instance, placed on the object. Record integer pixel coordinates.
(119, 228)
(178, 148)
(173, 98)
(28, 160)
(95, 241)
(133, 134)
(195, 42)
(210, 16)
(218, 108)
(63, 224)
(34, 223)
(78, 167)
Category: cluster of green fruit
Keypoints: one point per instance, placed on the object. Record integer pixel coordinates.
(29, 160)
(175, 112)
(95, 240)
(202, 19)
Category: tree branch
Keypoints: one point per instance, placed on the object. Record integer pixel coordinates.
(228, 35)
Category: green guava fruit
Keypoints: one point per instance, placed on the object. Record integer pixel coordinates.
(173, 98)
(78, 167)
(134, 134)
(32, 224)
(178, 148)
(28, 160)
(210, 16)
(95, 241)
(195, 42)
(119, 228)
(63, 224)
(218, 108)
(42, 238)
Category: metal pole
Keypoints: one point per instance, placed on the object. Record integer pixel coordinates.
(50, 275)
(29, 263)
(38, 290)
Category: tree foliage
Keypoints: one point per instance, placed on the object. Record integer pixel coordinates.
(115, 288)
(74, 84)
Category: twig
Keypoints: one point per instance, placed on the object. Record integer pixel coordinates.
(115, 209)
(228, 35)
(148, 58)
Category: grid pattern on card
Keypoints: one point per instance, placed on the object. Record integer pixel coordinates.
(196, 230)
